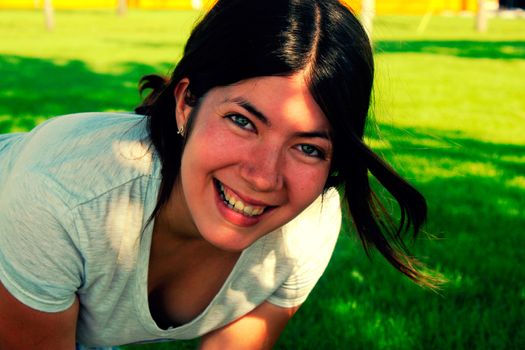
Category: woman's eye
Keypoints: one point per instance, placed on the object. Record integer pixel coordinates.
(311, 151)
(241, 121)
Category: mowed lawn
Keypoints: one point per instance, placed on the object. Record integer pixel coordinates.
(450, 110)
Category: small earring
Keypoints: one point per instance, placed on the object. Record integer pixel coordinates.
(181, 131)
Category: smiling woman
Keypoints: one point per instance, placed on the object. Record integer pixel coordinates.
(211, 211)
(260, 165)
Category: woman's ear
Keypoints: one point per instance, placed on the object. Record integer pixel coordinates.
(182, 108)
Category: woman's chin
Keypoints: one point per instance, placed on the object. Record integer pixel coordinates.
(229, 244)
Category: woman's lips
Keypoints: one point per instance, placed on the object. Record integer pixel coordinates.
(237, 210)
(236, 203)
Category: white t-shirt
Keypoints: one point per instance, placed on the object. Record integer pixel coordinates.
(75, 195)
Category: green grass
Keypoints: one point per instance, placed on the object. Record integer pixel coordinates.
(451, 110)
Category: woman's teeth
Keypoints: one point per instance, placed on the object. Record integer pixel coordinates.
(237, 205)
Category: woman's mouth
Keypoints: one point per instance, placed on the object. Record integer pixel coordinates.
(232, 201)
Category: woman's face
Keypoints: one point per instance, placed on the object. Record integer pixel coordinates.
(258, 154)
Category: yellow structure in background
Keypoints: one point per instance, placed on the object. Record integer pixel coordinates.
(102, 4)
(415, 7)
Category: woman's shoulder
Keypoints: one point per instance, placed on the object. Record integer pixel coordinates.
(86, 154)
(87, 128)
(316, 229)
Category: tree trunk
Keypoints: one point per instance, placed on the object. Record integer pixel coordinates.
(481, 17)
(367, 15)
(49, 14)
(122, 7)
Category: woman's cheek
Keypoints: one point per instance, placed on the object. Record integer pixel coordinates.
(309, 180)
(212, 142)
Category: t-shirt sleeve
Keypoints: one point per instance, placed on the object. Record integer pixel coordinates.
(310, 238)
(40, 263)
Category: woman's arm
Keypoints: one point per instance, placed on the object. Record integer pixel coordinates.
(258, 330)
(22, 327)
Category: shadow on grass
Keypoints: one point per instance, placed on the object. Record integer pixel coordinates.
(452, 145)
(459, 48)
(479, 219)
(41, 88)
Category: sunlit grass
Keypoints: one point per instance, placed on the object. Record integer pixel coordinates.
(476, 98)
(450, 106)
(445, 28)
(103, 41)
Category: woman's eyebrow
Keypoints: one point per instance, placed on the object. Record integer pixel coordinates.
(250, 108)
(260, 115)
(314, 134)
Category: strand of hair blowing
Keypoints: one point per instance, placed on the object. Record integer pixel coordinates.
(375, 225)
(347, 107)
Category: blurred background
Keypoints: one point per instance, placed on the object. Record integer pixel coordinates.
(449, 114)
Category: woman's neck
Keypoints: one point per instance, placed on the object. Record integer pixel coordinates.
(174, 218)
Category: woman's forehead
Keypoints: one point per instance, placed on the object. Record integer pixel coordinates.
(271, 97)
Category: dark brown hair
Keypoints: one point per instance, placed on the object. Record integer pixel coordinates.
(242, 39)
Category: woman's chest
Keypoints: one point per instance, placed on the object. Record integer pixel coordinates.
(182, 285)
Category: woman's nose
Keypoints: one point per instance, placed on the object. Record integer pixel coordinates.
(263, 168)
